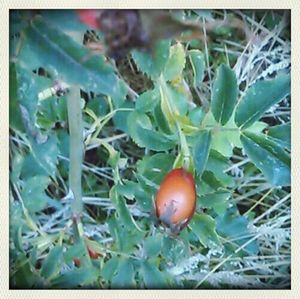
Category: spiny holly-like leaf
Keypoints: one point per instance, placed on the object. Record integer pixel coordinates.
(197, 62)
(201, 151)
(224, 94)
(49, 47)
(204, 227)
(273, 161)
(260, 97)
(152, 64)
(175, 63)
(142, 132)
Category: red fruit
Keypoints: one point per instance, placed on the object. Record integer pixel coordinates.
(76, 262)
(93, 254)
(176, 198)
(89, 17)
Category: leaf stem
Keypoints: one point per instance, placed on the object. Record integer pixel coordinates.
(76, 157)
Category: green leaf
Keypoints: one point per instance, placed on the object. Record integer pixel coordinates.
(144, 196)
(98, 105)
(174, 251)
(51, 111)
(124, 279)
(224, 94)
(15, 118)
(204, 227)
(152, 64)
(25, 277)
(64, 19)
(109, 268)
(33, 193)
(209, 178)
(142, 133)
(152, 245)
(174, 104)
(176, 62)
(224, 138)
(196, 116)
(153, 278)
(76, 277)
(233, 226)
(160, 120)
(29, 86)
(269, 157)
(121, 117)
(16, 235)
(77, 250)
(53, 262)
(17, 20)
(201, 151)
(31, 168)
(198, 65)
(44, 242)
(47, 46)
(217, 164)
(122, 210)
(46, 154)
(114, 156)
(281, 134)
(16, 167)
(125, 237)
(257, 127)
(218, 201)
(260, 97)
(147, 101)
(127, 189)
(155, 167)
(151, 171)
(177, 100)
